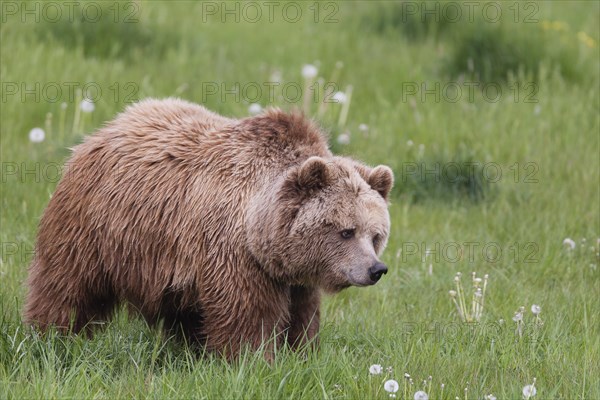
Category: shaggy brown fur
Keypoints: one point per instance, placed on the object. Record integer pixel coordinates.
(225, 229)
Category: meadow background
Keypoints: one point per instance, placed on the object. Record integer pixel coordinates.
(487, 183)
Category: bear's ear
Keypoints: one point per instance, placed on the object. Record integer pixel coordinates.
(381, 179)
(313, 174)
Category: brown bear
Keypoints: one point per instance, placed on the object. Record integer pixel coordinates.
(225, 230)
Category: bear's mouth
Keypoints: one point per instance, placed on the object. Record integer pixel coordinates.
(352, 281)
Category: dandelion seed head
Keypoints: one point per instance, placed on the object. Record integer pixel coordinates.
(452, 293)
(535, 309)
(343, 138)
(87, 106)
(363, 128)
(309, 71)
(37, 135)
(340, 97)
(409, 143)
(254, 109)
(529, 391)
(518, 317)
(391, 386)
(569, 243)
(276, 76)
(421, 395)
(375, 369)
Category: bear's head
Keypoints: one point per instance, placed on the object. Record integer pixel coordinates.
(325, 224)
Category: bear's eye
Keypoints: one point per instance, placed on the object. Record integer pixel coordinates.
(376, 240)
(347, 233)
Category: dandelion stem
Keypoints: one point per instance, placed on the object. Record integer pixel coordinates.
(461, 299)
(330, 84)
(458, 309)
(61, 125)
(345, 107)
(429, 386)
(77, 116)
(485, 280)
(308, 85)
(49, 124)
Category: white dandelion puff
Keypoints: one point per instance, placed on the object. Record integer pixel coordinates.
(410, 143)
(309, 71)
(529, 391)
(421, 395)
(391, 386)
(375, 369)
(344, 139)
(254, 108)
(276, 76)
(37, 135)
(518, 317)
(87, 106)
(364, 128)
(340, 97)
(535, 309)
(569, 243)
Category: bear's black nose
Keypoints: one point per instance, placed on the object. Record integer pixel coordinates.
(377, 270)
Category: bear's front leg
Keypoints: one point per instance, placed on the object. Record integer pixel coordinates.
(304, 316)
(254, 316)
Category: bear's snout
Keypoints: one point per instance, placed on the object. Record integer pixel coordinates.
(376, 271)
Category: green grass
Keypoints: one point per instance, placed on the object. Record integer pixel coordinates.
(547, 151)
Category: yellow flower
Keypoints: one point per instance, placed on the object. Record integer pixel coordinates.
(560, 26)
(586, 39)
(546, 25)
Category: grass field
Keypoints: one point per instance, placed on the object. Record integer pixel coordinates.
(492, 128)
